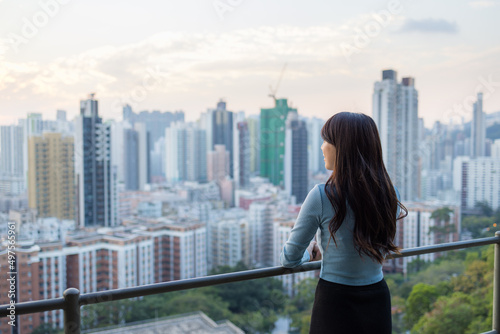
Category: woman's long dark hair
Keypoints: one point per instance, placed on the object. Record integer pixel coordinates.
(359, 178)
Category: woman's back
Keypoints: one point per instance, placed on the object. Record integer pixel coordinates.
(341, 263)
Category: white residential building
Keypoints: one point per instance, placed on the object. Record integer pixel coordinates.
(478, 129)
(395, 111)
(420, 230)
(477, 180)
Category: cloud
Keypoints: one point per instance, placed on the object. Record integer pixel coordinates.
(482, 3)
(3, 48)
(429, 26)
(169, 64)
(194, 57)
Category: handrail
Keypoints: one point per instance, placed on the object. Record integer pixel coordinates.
(72, 299)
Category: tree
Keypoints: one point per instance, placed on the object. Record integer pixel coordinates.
(450, 315)
(300, 307)
(478, 226)
(419, 302)
(249, 296)
(485, 208)
(443, 227)
(417, 265)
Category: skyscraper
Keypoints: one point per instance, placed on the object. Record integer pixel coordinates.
(12, 160)
(185, 153)
(95, 175)
(130, 159)
(260, 220)
(143, 154)
(61, 115)
(218, 163)
(478, 129)
(51, 175)
(253, 122)
(118, 147)
(296, 157)
(395, 111)
(11, 145)
(156, 122)
(315, 157)
(272, 141)
(242, 155)
(222, 131)
(477, 180)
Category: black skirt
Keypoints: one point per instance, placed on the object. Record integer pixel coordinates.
(340, 308)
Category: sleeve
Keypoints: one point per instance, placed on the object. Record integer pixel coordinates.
(398, 210)
(294, 252)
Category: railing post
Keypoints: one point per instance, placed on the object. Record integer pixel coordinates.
(496, 287)
(71, 311)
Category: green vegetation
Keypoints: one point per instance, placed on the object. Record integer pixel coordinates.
(300, 306)
(454, 293)
(483, 225)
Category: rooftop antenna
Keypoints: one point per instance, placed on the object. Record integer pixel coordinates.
(274, 91)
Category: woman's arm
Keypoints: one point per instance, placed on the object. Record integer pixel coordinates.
(295, 252)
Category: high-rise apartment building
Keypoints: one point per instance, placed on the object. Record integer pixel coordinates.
(478, 129)
(477, 180)
(155, 124)
(143, 154)
(109, 260)
(130, 153)
(185, 153)
(296, 157)
(12, 160)
(315, 160)
(51, 175)
(222, 131)
(180, 249)
(118, 148)
(130, 159)
(27, 289)
(95, 174)
(272, 141)
(229, 239)
(395, 111)
(260, 222)
(254, 137)
(218, 163)
(242, 152)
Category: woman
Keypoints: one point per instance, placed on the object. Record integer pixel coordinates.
(357, 209)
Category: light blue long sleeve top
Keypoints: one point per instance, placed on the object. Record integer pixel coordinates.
(340, 264)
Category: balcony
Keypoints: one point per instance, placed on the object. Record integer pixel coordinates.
(72, 300)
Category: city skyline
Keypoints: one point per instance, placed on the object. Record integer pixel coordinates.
(180, 56)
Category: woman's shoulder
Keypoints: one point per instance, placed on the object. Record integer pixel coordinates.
(319, 188)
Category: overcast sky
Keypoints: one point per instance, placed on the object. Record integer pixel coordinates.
(186, 55)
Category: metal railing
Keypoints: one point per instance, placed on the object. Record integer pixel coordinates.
(72, 300)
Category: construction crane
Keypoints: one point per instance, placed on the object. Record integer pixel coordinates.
(274, 91)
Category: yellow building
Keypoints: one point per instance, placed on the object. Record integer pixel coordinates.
(51, 174)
